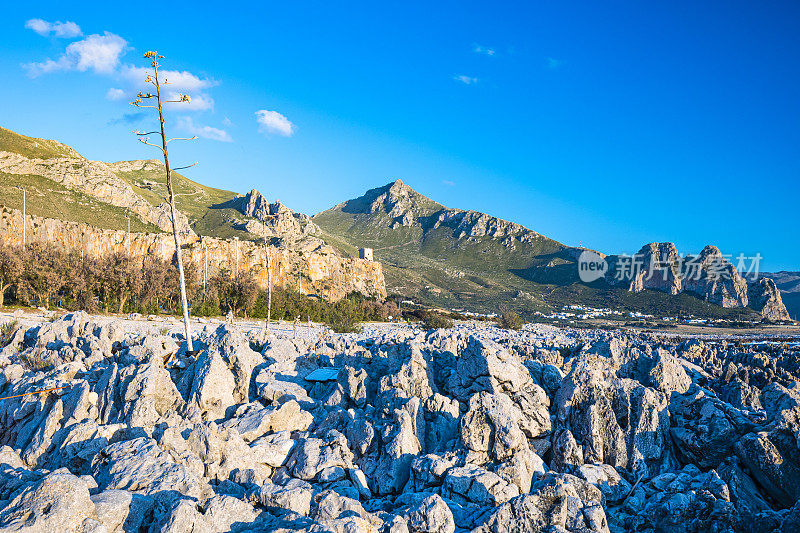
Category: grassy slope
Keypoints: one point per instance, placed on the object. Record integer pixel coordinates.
(32, 147)
(45, 198)
(196, 201)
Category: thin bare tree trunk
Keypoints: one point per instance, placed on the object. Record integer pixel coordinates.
(178, 254)
(269, 290)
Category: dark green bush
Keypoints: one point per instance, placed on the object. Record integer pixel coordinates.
(510, 320)
(7, 331)
(434, 320)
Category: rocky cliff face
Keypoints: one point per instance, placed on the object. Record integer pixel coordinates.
(323, 274)
(406, 207)
(659, 267)
(96, 179)
(657, 271)
(765, 296)
(719, 282)
(276, 221)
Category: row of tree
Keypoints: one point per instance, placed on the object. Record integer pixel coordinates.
(47, 276)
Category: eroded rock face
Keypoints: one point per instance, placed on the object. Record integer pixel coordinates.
(765, 297)
(311, 269)
(474, 429)
(709, 275)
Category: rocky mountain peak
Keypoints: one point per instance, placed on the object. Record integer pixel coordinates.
(275, 220)
(254, 204)
(765, 296)
(710, 251)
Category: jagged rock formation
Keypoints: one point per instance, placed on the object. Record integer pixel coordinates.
(406, 207)
(708, 275)
(765, 296)
(96, 179)
(324, 274)
(473, 429)
(276, 221)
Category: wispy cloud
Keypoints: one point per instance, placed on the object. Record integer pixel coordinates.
(466, 80)
(553, 63)
(274, 122)
(65, 30)
(102, 54)
(449, 183)
(188, 125)
(128, 118)
(180, 82)
(98, 53)
(115, 94)
(485, 50)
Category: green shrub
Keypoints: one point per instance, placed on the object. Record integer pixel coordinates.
(35, 360)
(434, 320)
(510, 320)
(343, 320)
(7, 331)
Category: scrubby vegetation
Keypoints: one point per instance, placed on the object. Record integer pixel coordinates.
(48, 277)
(510, 320)
(435, 320)
(7, 331)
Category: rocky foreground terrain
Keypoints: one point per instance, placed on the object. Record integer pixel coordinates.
(396, 430)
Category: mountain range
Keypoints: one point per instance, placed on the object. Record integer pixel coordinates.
(451, 258)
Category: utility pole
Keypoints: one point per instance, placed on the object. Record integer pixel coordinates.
(205, 267)
(128, 236)
(236, 245)
(24, 218)
(269, 274)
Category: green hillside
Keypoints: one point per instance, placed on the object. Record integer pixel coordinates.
(32, 147)
(201, 204)
(45, 198)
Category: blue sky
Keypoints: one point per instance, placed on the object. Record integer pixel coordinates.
(602, 124)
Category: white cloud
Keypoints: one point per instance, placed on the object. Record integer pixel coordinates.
(206, 132)
(179, 82)
(47, 66)
(66, 30)
(198, 102)
(227, 122)
(553, 63)
(485, 50)
(102, 54)
(466, 80)
(115, 94)
(449, 183)
(99, 53)
(274, 122)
